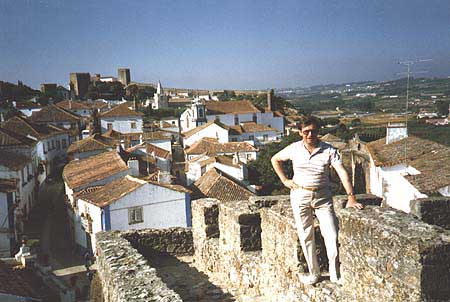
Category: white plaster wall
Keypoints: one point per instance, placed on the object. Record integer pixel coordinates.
(213, 130)
(96, 214)
(186, 123)
(232, 171)
(268, 119)
(122, 124)
(194, 172)
(29, 112)
(162, 208)
(165, 144)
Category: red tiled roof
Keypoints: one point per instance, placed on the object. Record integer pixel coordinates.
(121, 110)
(72, 105)
(212, 147)
(254, 127)
(226, 107)
(53, 113)
(157, 135)
(92, 143)
(216, 184)
(111, 192)
(204, 126)
(8, 185)
(13, 160)
(12, 139)
(82, 172)
(24, 127)
(159, 152)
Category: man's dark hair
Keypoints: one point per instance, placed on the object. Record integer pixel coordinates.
(309, 120)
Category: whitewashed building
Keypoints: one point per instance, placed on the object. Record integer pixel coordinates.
(122, 119)
(230, 113)
(92, 145)
(404, 168)
(227, 164)
(153, 154)
(242, 151)
(51, 143)
(130, 203)
(213, 129)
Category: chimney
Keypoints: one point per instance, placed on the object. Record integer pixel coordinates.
(270, 105)
(133, 164)
(236, 158)
(164, 177)
(396, 132)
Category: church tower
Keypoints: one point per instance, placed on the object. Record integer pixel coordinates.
(160, 100)
(199, 112)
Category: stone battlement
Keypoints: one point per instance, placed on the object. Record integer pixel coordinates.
(249, 251)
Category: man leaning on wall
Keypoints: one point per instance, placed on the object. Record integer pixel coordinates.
(311, 194)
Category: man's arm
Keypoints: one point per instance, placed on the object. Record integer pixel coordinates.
(351, 203)
(277, 166)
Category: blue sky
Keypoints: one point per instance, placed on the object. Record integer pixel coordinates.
(222, 44)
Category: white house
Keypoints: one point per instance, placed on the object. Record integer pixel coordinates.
(27, 108)
(227, 164)
(230, 113)
(121, 119)
(213, 129)
(92, 145)
(51, 143)
(161, 139)
(243, 151)
(404, 168)
(147, 152)
(130, 203)
(259, 134)
(160, 99)
(79, 108)
(18, 169)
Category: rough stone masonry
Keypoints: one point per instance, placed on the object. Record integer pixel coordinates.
(385, 255)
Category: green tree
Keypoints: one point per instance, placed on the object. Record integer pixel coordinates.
(442, 107)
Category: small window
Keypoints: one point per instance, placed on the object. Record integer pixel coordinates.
(254, 118)
(109, 126)
(200, 112)
(251, 137)
(135, 215)
(248, 156)
(133, 125)
(236, 119)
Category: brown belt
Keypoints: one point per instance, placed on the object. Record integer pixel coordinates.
(310, 188)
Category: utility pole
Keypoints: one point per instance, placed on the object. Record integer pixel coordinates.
(409, 64)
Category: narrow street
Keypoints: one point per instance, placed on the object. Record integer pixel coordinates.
(48, 221)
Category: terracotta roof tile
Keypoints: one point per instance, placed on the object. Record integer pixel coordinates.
(254, 127)
(216, 184)
(150, 148)
(121, 110)
(157, 135)
(92, 143)
(25, 127)
(111, 192)
(394, 153)
(428, 157)
(11, 139)
(212, 147)
(204, 126)
(53, 113)
(226, 107)
(72, 105)
(8, 185)
(82, 172)
(13, 160)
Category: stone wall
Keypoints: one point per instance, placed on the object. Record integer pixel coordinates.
(433, 210)
(173, 241)
(125, 274)
(386, 255)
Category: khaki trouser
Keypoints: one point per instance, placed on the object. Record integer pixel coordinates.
(304, 204)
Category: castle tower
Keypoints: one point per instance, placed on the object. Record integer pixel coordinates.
(124, 76)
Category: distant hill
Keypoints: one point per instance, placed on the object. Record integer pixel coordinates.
(9, 91)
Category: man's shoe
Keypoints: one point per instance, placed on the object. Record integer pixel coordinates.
(336, 280)
(309, 279)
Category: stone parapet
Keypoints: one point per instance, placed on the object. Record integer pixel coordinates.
(387, 255)
(172, 241)
(125, 274)
(433, 210)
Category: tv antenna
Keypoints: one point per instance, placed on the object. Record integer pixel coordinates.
(408, 72)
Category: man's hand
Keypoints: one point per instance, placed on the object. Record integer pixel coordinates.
(289, 183)
(351, 203)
